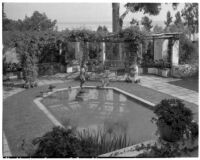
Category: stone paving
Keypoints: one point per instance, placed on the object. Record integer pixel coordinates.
(161, 84)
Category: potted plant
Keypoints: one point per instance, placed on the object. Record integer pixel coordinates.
(173, 119)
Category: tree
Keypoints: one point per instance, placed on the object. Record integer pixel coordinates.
(190, 15)
(169, 19)
(3, 13)
(157, 29)
(102, 29)
(115, 17)
(147, 23)
(134, 22)
(38, 22)
(146, 8)
(178, 20)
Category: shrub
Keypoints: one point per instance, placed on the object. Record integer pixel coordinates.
(188, 51)
(95, 143)
(173, 114)
(58, 143)
(183, 71)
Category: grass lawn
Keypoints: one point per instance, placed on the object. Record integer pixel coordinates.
(189, 83)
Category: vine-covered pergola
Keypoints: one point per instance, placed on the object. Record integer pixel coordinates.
(165, 45)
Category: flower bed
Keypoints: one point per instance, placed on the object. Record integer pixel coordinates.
(183, 71)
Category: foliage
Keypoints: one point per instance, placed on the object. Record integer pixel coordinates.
(158, 29)
(134, 22)
(27, 49)
(102, 29)
(188, 51)
(146, 8)
(147, 23)
(178, 19)
(37, 22)
(99, 142)
(191, 17)
(133, 37)
(174, 114)
(187, 70)
(58, 143)
(164, 150)
(169, 19)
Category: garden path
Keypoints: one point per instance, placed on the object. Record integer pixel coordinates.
(161, 84)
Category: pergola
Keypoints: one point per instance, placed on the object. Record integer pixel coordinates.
(165, 44)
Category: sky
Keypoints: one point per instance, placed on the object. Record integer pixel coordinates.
(76, 12)
(79, 12)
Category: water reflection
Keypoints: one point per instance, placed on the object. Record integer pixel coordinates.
(113, 110)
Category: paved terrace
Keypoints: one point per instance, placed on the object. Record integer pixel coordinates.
(22, 120)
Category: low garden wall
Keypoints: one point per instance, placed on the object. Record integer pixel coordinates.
(164, 72)
(180, 71)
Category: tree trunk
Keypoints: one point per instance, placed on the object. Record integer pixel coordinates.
(115, 17)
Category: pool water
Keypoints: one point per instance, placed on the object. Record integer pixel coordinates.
(95, 108)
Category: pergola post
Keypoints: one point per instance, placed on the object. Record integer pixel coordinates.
(120, 51)
(165, 49)
(103, 52)
(175, 53)
(77, 50)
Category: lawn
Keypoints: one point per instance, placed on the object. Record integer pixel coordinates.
(189, 83)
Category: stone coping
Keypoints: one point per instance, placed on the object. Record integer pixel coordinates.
(137, 149)
(133, 149)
